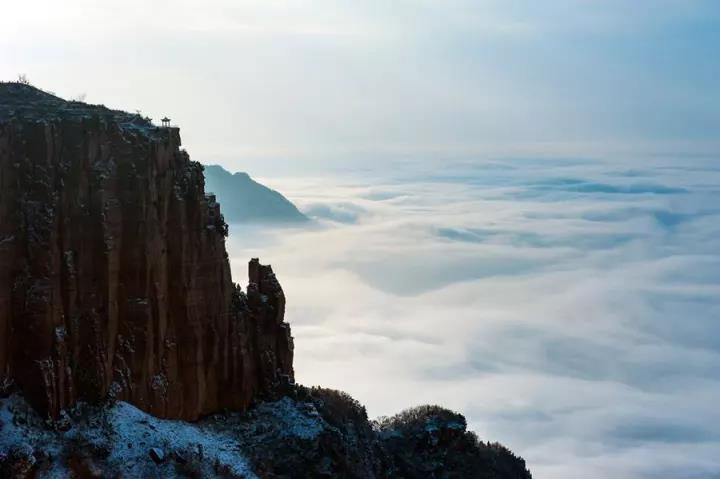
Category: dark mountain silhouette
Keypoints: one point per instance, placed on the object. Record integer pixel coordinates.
(245, 200)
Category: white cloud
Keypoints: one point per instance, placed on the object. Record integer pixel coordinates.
(567, 311)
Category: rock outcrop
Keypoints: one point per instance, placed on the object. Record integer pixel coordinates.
(310, 433)
(114, 278)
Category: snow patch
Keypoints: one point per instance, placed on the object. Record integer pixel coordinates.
(135, 433)
(124, 434)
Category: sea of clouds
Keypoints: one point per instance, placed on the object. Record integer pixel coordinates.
(569, 308)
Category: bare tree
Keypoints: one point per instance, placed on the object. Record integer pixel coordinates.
(80, 98)
(23, 79)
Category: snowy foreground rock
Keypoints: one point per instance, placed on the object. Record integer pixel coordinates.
(118, 440)
(309, 433)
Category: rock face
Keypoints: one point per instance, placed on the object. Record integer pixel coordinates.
(114, 279)
(245, 200)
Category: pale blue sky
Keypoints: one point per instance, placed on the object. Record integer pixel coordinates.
(320, 80)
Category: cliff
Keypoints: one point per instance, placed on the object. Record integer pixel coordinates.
(114, 279)
(119, 324)
(245, 200)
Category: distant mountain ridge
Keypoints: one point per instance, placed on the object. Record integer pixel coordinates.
(244, 200)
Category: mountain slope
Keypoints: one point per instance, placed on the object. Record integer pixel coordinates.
(245, 200)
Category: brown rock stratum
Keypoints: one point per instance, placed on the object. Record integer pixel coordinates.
(114, 278)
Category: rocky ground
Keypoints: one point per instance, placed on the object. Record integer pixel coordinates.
(308, 433)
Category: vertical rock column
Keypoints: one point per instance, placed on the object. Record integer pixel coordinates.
(114, 278)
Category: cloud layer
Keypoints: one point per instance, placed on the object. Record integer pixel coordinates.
(568, 308)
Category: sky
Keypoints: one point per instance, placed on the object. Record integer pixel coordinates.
(517, 201)
(293, 85)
